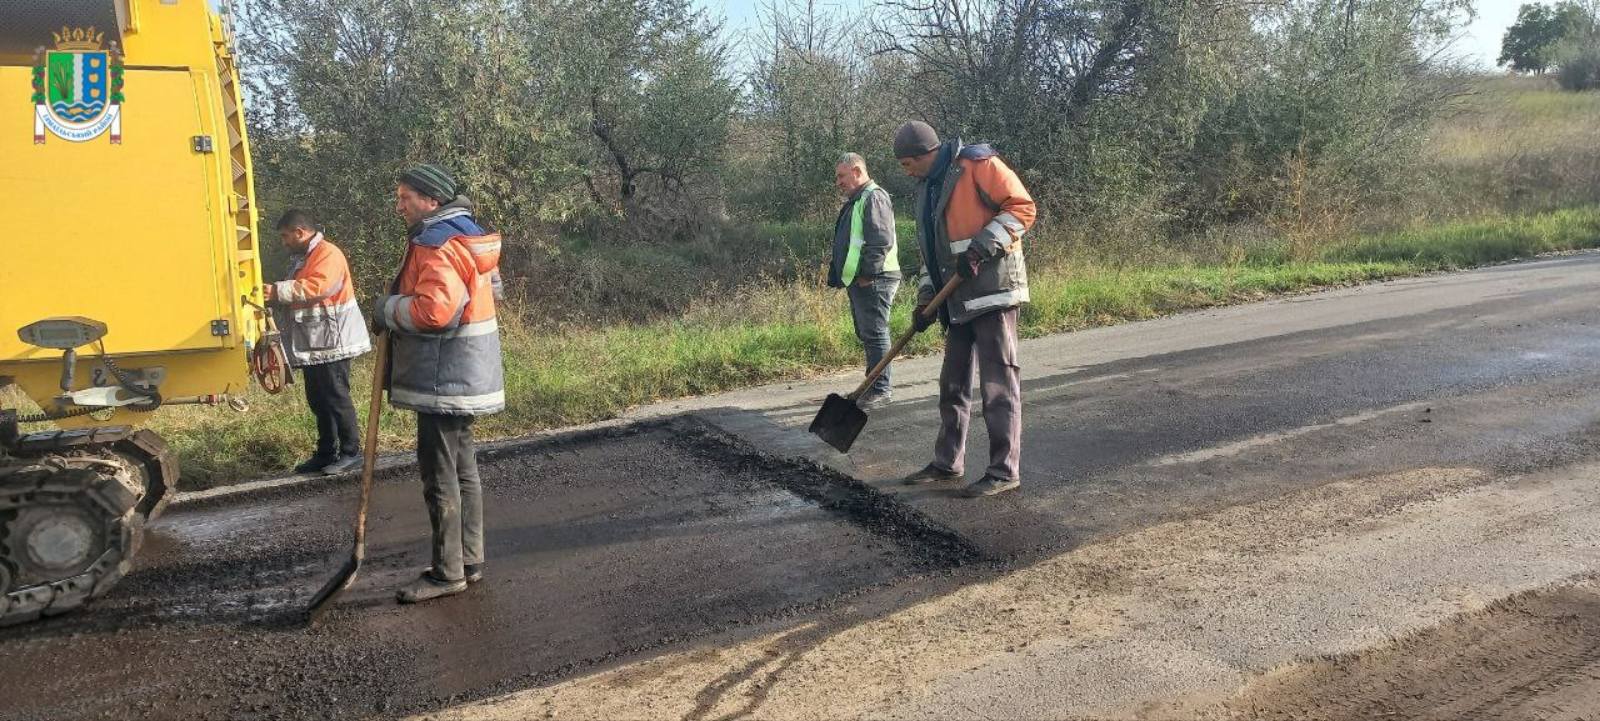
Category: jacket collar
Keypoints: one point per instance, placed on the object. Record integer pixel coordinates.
(865, 188)
(298, 260)
(461, 206)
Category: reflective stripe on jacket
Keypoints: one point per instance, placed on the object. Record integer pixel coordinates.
(445, 352)
(316, 307)
(864, 238)
(982, 205)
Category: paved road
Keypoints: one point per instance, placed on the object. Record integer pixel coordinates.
(1206, 498)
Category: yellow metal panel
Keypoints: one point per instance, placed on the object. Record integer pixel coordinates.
(125, 234)
(143, 235)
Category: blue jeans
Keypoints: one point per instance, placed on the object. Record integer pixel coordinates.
(869, 308)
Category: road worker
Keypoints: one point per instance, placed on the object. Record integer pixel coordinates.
(439, 316)
(322, 330)
(866, 264)
(971, 213)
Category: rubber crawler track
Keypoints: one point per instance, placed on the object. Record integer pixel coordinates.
(69, 468)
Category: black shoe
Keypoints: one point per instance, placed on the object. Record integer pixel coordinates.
(990, 485)
(428, 587)
(932, 474)
(345, 464)
(315, 464)
(474, 572)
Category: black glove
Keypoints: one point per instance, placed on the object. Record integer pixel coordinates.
(968, 263)
(922, 320)
(378, 321)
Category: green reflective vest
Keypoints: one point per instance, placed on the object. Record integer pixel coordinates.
(852, 260)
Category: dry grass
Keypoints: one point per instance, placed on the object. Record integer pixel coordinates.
(1517, 173)
(1518, 145)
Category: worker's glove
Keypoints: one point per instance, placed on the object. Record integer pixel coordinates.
(377, 320)
(268, 293)
(968, 263)
(922, 320)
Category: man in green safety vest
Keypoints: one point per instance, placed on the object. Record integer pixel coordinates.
(866, 264)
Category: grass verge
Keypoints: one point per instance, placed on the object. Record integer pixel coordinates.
(778, 330)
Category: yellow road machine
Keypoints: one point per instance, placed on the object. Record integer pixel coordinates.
(129, 276)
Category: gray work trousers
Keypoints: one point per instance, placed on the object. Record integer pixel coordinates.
(453, 491)
(869, 309)
(990, 340)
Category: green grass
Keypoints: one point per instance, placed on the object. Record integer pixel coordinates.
(787, 330)
(1519, 165)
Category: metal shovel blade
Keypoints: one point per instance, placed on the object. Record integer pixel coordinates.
(839, 422)
(334, 586)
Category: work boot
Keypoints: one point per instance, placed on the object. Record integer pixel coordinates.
(428, 587)
(474, 572)
(874, 401)
(345, 464)
(990, 485)
(932, 474)
(315, 464)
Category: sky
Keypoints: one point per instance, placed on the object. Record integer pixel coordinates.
(1482, 41)
(1479, 43)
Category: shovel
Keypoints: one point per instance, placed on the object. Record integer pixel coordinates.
(369, 453)
(841, 420)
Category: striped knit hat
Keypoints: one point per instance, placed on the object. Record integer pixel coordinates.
(432, 181)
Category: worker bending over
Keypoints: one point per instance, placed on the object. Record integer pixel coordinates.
(971, 213)
(322, 331)
(439, 317)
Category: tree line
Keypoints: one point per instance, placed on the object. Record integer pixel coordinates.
(1564, 36)
(617, 123)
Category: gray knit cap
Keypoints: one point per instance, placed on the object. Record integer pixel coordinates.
(432, 181)
(914, 138)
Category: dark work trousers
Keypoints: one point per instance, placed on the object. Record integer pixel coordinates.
(869, 308)
(990, 340)
(328, 394)
(453, 491)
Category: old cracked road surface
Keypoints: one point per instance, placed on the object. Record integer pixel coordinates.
(1372, 502)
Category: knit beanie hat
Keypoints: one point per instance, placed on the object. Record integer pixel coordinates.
(914, 138)
(432, 181)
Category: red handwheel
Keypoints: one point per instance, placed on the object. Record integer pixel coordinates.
(270, 365)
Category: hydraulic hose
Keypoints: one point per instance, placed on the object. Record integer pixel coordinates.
(153, 395)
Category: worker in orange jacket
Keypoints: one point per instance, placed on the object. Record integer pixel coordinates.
(323, 329)
(972, 211)
(445, 364)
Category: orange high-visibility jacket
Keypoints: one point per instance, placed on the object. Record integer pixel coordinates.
(982, 205)
(441, 311)
(317, 309)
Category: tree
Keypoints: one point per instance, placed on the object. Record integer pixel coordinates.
(346, 93)
(814, 93)
(1167, 116)
(1577, 57)
(1531, 43)
(646, 85)
(552, 111)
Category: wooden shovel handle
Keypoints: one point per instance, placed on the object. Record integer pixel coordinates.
(369, 450)
(930, 310)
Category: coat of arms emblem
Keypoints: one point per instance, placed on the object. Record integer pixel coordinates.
(77, 88)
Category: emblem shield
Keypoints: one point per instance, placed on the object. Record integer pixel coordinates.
(78, 88)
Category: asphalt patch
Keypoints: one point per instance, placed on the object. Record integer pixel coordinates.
(603, 546)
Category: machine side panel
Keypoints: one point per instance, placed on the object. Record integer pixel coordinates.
(124, 233)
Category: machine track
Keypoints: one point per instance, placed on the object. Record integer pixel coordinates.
(73, 505)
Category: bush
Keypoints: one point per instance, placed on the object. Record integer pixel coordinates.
(1579, 67)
